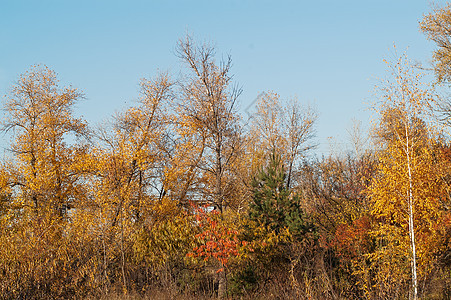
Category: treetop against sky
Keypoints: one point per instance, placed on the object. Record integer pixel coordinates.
(325, 53)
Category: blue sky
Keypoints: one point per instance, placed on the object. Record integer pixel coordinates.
(327, 53)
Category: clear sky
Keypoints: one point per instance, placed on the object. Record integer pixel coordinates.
(327, 53)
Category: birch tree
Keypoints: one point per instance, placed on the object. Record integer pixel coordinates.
(406, 189)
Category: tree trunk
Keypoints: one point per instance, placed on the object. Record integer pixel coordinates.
(222, 284)
(411, 227)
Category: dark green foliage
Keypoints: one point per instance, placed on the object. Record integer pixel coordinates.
(273, 205)
(243, 280)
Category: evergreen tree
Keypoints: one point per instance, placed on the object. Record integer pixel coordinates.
(273, 205)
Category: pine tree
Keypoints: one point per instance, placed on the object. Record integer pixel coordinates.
(273, 205)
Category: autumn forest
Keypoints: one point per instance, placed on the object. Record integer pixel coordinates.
(182, 197)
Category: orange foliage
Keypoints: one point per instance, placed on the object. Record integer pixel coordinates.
(353, 240)
(217, 240)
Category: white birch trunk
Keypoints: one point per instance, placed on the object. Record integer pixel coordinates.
(411, 227)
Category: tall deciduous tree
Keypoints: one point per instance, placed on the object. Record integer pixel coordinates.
(286, 128)
(208, 110)
(39, 113)
(406, 190)
(44, 182)
(129, 173)
(437, 27)
(132, 168)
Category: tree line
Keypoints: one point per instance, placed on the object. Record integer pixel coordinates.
(179, 196)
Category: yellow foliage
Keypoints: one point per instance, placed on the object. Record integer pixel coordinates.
(408, 189)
